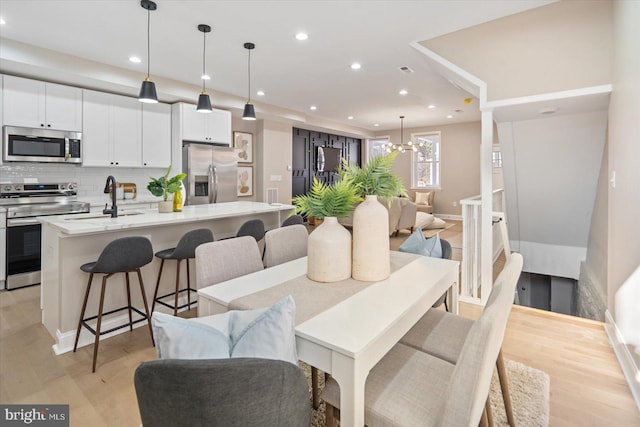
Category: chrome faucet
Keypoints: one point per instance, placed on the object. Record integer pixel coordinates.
(114, 209)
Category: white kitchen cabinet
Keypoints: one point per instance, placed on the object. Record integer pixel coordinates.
(156, 135)
(112, 133)
(214, 127)
(37, 104)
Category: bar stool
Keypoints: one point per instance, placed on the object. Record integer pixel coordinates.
(185, 250)
(253, 228)
(123, 255)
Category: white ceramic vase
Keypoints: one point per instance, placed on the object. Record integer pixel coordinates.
(371, 260)
(165, 207)
(329, 252)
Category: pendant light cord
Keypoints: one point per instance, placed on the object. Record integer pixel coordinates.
(249, 78)
(148, 42)
(204, 49)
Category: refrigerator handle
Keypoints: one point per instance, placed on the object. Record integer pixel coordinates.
(213, 184)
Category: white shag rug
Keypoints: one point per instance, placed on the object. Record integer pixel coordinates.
(529, 389)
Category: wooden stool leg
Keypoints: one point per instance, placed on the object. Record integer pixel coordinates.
(314, 388)
(330, 416)
(129, 301)
(487, 406)
(84, 307)
(97, 340)
(175, 304)
(483, 419)
(155, 293)
(146, 306)
(504, 385)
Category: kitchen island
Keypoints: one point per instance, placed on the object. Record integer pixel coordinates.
(68, 241)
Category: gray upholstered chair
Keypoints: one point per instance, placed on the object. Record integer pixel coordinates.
(285, 244)
(226, 259)
(222, 392)
(293, 220)
(184, 250)
(412, 387)
(124, 255)
(443, 334)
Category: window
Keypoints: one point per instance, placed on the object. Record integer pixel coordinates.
(425, 162)
(376, 147)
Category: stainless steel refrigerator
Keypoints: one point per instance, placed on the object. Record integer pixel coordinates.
(212, 173)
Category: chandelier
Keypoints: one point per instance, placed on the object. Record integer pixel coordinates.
(402, 146)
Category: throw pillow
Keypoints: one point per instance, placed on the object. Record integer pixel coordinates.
(423, 220)
(266, 333)
(437, 223)
(422, 198)
(418, 244)
(178, 338)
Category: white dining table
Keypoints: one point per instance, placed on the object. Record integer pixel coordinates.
(348, 338)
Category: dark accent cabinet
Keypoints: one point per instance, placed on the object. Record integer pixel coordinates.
(305, 157)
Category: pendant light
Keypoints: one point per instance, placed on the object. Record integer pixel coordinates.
(148, 89)
(204, 103)
(249, 112)
(402, 146)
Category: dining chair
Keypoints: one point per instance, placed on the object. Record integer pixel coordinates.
(443, 334)
(222, 392)
(226, 259)
(447, 253)
(411, 387)
(254, 228)
(285, 244)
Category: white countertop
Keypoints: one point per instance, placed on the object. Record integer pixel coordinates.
(80, 224)
(100, 201)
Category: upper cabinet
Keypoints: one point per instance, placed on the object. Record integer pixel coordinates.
(156, 135)
(121, 131)
(36, 104)
(214, 127)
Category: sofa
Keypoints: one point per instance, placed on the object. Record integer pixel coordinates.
(402, 215)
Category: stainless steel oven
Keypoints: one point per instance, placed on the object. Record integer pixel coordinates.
(23, 203)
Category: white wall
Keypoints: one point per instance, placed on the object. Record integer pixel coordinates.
(275, 156)
(624, 155)
(551, 168)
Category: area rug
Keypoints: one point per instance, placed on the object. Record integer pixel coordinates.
(529, 389)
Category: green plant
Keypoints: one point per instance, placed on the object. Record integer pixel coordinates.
(164, 186)
(375, 178)
(328, 200)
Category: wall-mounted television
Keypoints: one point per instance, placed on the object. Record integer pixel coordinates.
(328, 159)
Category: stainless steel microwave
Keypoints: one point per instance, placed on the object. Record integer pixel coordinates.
(41, 145)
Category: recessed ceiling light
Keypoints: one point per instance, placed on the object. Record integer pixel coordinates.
(356, 66)
(350, 118)
(450, 116)
(403, 92)
(206, 77)
(302, 36)
(135, 59)
(431, 106)
(376, 124)
(313, 108)
(2, 21)
(260, 93)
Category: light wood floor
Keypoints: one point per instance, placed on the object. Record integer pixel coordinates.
(587, 386)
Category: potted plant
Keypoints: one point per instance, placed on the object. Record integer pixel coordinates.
(329, 247)
(376, 181)
(163, 186)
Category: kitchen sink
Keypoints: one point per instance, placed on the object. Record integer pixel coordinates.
(102, 216)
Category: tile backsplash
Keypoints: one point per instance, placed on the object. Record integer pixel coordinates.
(91, 181)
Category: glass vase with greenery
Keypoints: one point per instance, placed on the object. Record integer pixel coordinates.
(163, 186)
(322, 200)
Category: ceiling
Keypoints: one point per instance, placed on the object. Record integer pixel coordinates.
(293, 74)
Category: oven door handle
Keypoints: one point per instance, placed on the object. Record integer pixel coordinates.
(21, 221)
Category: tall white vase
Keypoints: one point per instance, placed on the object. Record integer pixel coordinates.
(371, 260)
(329, 252)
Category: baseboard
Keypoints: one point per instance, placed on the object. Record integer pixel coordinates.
(65, 340)
(625, 359)
(447, 216)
